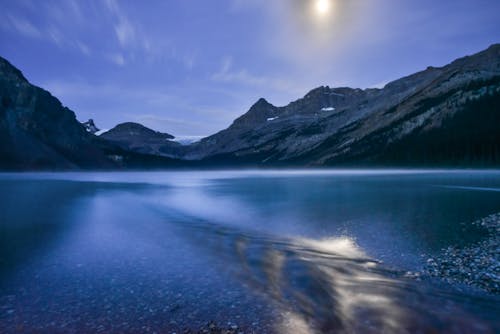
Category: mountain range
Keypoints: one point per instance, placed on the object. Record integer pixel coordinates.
(442, 116)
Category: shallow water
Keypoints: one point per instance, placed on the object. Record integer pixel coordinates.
(267, 251)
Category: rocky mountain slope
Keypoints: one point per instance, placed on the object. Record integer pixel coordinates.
(90, 126)
(440, 116)
(38, 132)
(138, 138)
(446, 116)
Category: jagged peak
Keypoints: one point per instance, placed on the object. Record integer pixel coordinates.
(258, 113)
(262, 102)
(90, 126)
(90, 122)
(325, 90)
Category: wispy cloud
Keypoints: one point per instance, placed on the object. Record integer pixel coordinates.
(52, 31)
(24, 27)
(76, 10)
(227, 74)
(117, 59)
(166, 58)
(86, 89)
(55, 36)
(124, 30)
(68, 25)
(84, 48)
(155, 107)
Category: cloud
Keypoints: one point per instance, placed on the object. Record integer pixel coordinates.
(55, 36)
(71, 25)
(51, 27)
(117, 59)
(76, 10)
(227, 74)
(83, 48)
(84, 89)
(24, 27)
(124, 30)
(161, 108)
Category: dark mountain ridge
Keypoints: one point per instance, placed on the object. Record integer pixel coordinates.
(442, 116)
(138, 138)
(38, 132)
(90, 126)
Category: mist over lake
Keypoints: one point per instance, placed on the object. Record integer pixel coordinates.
(288, 251)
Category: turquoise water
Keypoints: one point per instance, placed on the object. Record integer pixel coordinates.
(267, 251)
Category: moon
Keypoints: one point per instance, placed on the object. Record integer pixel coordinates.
(322, 6)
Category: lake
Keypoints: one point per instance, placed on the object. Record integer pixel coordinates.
(250, 251)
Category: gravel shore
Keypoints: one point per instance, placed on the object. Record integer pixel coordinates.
(477, 265)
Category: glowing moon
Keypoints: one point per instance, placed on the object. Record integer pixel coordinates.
(322, 6)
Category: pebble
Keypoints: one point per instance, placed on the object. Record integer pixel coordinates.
(476, 265)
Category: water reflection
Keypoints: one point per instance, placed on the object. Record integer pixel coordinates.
(332, 286)
(289, 251)
(36, 214)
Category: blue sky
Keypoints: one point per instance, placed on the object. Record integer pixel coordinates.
(190, 67)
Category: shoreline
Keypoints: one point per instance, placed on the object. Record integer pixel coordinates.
(477, 265)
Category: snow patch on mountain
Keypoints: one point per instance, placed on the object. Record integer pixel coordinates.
(100, 132)
(187, 140)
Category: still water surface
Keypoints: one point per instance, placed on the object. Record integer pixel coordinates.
(256, 251)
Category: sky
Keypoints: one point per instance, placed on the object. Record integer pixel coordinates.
(190, 67)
